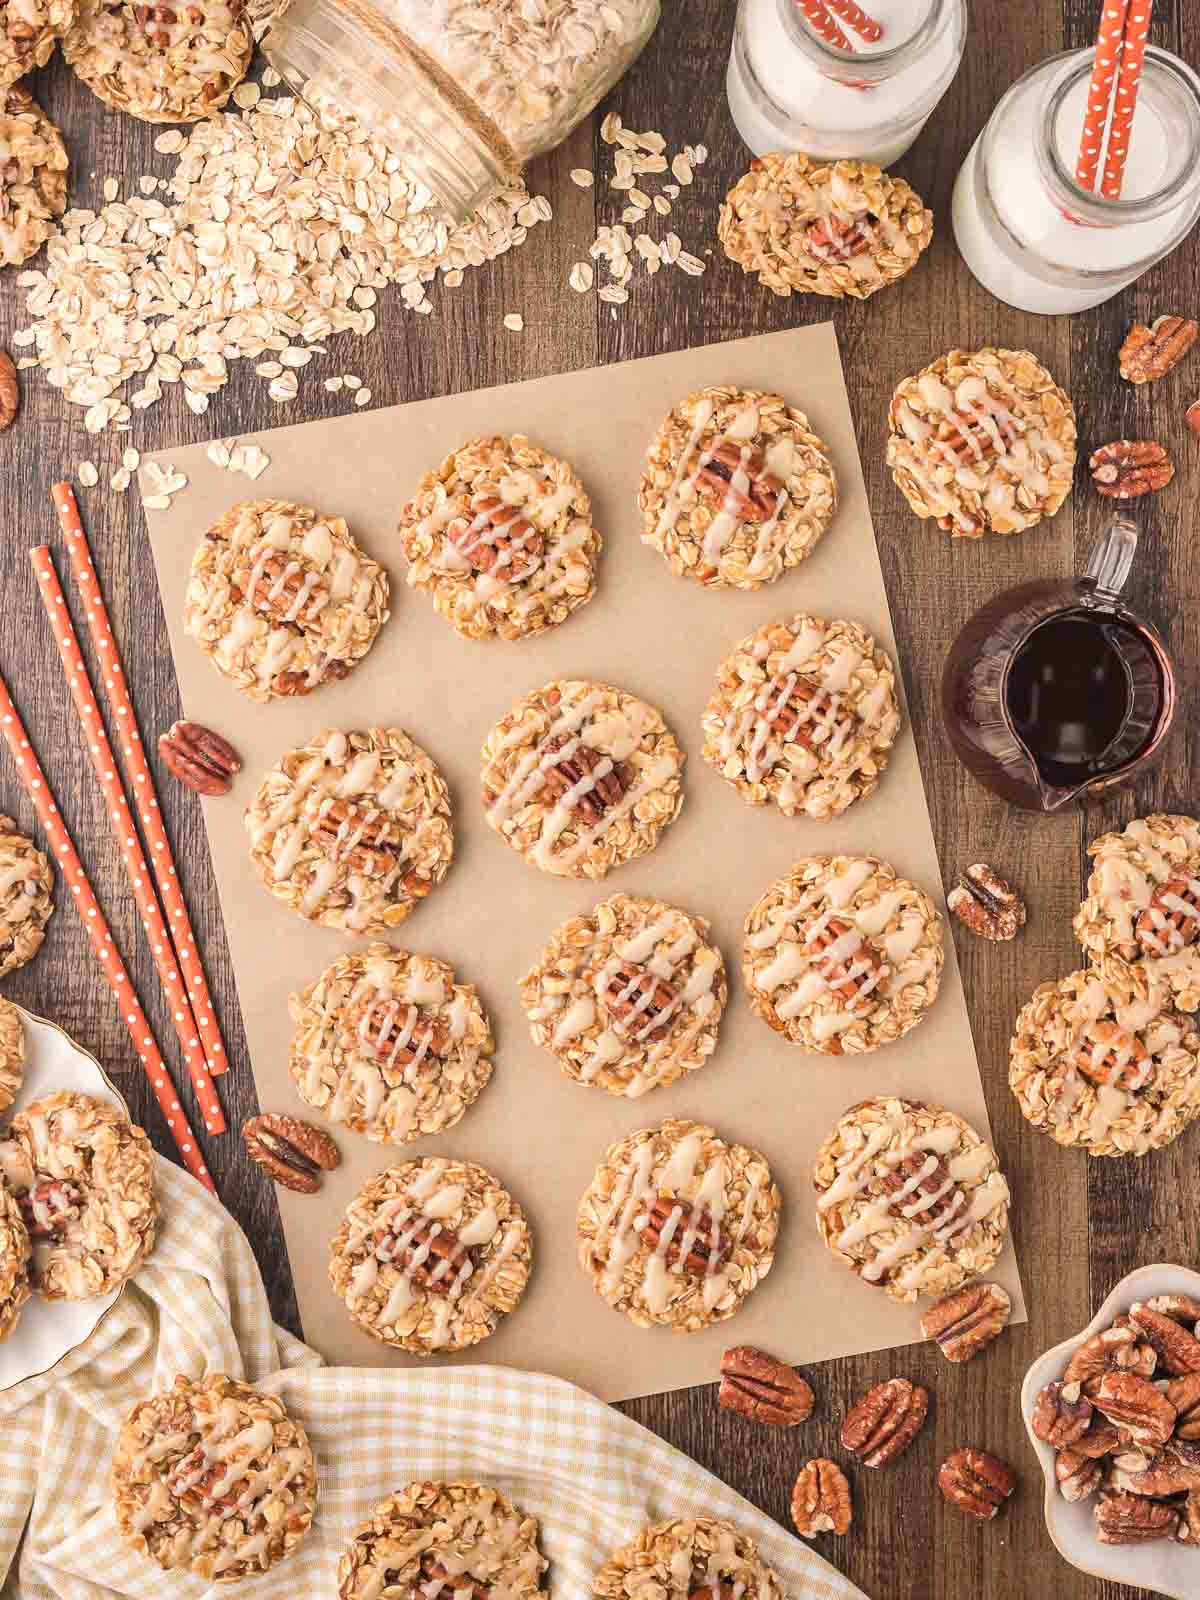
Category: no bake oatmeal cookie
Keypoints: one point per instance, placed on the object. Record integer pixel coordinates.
(353, 829)
(33, 176)
(501, 536)
(581, 777)
(431, 1255)
(83, 1175)
(1140, 919)
(804, 715)
(12, 1053)
(390, 1044)
(629, 996)
(160, 63)
(281, 599)
(804, 227)
(697, 1557)
(213, 1477)
(15, 1254)
(842, 956)
(910, 1197)
(26, 888)
(1098, 1064)
(982, 441)
(677, 1227)
(28, 30)
(736, 488)
(429, 1538)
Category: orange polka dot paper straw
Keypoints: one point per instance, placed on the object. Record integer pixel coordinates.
(823, 24)
(137, 771)
(1133, 53)
(63, 852)
(126, 835)
(1104, 69)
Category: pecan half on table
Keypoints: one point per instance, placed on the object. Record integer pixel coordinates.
(985, 903)
(885, 1421)
(966, 1322)
(821, 1499)
(734, 481)
(976, 1482)
(1128, 468)
(766, 1390)
(292, 1152)
(1149, 353)
(10, 392)
(571, 772)
(673, 1224)
(198, 757)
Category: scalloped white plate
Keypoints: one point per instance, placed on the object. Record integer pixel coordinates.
(48, 1330)
(1165, 1568)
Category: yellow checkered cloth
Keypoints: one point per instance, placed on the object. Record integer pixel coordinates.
(591, 1476)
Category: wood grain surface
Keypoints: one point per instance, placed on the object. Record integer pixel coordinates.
(1079, 1226)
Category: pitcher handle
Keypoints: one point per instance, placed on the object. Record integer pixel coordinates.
(1111, 560)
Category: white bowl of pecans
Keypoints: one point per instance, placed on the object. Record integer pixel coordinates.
(1114, 1415)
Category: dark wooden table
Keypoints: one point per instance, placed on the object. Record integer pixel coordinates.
(1079, 1225)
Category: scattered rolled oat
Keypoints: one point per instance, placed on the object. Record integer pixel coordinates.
(582, 177)
(363, 397)
(514, 322)
(88, 476)
(582, 277)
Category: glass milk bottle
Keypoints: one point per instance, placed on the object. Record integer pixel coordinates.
(790, 90)
(1031, 234)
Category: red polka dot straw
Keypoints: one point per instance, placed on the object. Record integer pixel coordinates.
(866, 27)
(139, 779)
(125, 834)
(69, 864)
(823, 24)
(1133, 52)
(1104, 67)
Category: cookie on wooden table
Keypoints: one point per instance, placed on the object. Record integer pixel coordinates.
(390, 1044)
(174, 63)
(804, 715)
(26, 890)
(736, 489)
(982, 441)
(15, 1258)
(698, 1556)
(678, 1226)
(28, 31)
(33, 176)
(1101, 1065)
(83, 1175)
(628, 997)
(353, 829)
(282, 600)
(500, 535)
(910, 1197)
(213, 1477)
(842, 956)
(807, 227)
(434, 1537)
(12, 1053)
(1140, 919)
(581, 777)
(431, 1255)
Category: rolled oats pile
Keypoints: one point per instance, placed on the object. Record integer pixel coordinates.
(278, 230)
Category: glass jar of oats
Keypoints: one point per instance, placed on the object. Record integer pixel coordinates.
(463, 91)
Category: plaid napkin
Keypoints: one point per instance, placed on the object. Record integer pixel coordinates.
(197, 1306)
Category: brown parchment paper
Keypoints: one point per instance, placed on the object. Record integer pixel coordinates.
(660, 637)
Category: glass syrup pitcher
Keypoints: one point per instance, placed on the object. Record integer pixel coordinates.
(1056, 690)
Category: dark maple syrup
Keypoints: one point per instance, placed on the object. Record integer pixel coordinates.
(1084, 694)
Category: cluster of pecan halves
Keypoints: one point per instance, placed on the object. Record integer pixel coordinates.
(883, 1423)
(1130, 468)
(1124, 1423)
